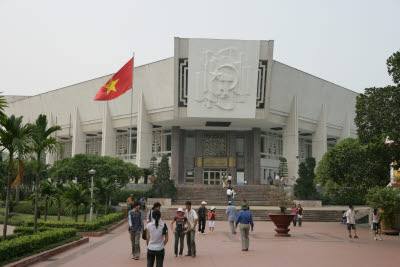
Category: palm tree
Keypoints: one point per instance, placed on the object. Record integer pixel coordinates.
(3, 104)
(59, 188)
(106, 186)
(47, 191)
(42, 142)
(15, 137)
(76, 195)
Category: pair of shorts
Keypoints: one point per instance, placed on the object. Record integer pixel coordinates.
(351, 226)
(211, 223)
(376, 226)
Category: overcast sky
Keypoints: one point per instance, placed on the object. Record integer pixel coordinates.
(45, 45)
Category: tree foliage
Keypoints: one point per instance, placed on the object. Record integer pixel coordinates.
(163, 186)
(79, 165)
(393, 66)
(304, 187)
(388, 200)
(353, 166)
(378, 111)
(76, 195)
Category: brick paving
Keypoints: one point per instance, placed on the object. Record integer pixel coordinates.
(314, 244)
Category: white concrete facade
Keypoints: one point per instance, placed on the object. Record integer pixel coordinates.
(296, 114)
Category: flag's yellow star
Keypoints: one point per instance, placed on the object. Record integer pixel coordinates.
(111, 86)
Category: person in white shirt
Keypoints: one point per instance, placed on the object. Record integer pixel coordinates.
(156, 206)
(157, 238)
(229, 180)
(351, 221)
(190, 236)
(277, 179)
(229, 193)
(376, 222)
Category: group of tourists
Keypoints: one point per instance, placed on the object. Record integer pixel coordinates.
(226, 180)
(183, 224)
(279, 180)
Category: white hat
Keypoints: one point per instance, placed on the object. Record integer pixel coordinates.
(212, 208)
(180, 210)
(203, 203)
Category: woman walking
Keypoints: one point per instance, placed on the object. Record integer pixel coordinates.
(377, 224)
(299, 214)
(180, 231)
(157, 238)
(294, 212)
(211, 219)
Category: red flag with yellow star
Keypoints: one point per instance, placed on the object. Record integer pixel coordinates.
(119, 83)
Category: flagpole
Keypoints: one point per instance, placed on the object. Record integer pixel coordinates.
(130, 129)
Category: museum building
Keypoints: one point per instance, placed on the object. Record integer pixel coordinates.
(216, 106)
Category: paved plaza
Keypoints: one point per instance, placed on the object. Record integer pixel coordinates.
(315, 244)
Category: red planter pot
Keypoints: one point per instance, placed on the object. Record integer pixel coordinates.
(282, 222)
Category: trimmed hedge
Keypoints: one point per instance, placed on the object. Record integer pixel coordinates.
(123, 194)
(27, 243)
(81, 226)
(26, 207)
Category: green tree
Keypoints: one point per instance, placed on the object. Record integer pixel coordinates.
(79, 165)
(393, 66)
(48, 193)
(134, 172)
(3, 105)
(354, 167)
(76, 195)
(15, 137)
(283, 168)
(388, 200)
(378, 112)
(163, 186)
(42, 142)
(59, 189)
(304, 187)
(105, 188)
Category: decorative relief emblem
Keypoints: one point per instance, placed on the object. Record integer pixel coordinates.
(214, 144)
(222, 81)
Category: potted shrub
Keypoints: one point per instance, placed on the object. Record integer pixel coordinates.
(282, 220)
(388, 200)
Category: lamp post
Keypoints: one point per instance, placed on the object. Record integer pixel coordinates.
(92, 173)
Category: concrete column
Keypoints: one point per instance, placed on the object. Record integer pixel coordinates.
(78, 137)
(144, 135)
(108, 134)
(232, 154)
(291, 142)
(198, 171)
(346, 127)
(252, 157)
(319, 138)
(50, 157)
(177, 155)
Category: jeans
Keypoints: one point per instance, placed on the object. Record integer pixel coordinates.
(157, 255)
(179, 237)
(244, 232)
(299, 220)
(233, 201)
(135, 240)
(202, 224)
(294, 220)
(232, 226)
(190, 242)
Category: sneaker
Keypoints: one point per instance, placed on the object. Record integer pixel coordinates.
(137, 258)
(375, 238)
(355, 236)
(350, 236)
(189, 254)
(204, 233)
(180, 253)
(243, 250)
(380, 238)
(246, 249)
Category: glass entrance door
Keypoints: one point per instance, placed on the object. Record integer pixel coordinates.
(213, 176)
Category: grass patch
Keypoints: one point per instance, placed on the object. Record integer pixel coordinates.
(42, 249)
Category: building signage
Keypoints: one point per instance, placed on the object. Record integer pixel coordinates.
(215, 162)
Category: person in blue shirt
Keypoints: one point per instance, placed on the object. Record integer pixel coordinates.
(246, 220)
(232, 213)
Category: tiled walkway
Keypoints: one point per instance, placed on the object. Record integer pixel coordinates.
(315, 244)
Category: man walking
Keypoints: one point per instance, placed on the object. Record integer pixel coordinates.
(229, 193)
(192, 218)
(129, 202)
(223, 180)
(232, 213)
(246, 220)
(202, 212)
(351, 221)
(135, 228)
